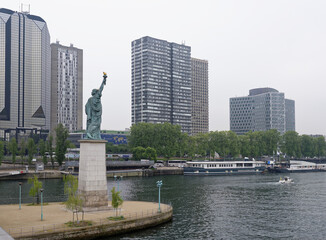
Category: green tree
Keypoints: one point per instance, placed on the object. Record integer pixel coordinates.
(22, 150)
(190, 148)
(31, 148)
(74, 201)
(42, 149)
(253, 143)
(116, 200)
(2, 151)
(182, 145)
(49, 148)
(222, 145)
(61, 143)
(202, 144)
(320, 146)
(138, 153)
(164, 138)
(290, 144)
(150, 153)
(13, 148)
(307, 146)
(35, 189)
(272, 140)
(233, 142)
(244, 145)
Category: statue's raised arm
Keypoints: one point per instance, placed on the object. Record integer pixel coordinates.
(103, 82)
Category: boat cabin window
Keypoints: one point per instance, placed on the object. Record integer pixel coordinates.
(239, 165)
(248, 164)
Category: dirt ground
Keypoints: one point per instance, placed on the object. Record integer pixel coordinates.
(56, 213)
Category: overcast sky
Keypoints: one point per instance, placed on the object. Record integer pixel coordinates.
(248, 44)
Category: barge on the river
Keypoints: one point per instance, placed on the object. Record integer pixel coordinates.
(224, 167)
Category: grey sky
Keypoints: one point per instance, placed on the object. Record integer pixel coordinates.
(248, 43)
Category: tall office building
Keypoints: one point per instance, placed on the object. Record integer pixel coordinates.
(289, 115)
(199, 95)
(263, 109)
(161, 82)
(66, 87)
(24, 71)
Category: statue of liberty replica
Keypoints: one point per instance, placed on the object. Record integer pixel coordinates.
(92, 183)
(93, 110)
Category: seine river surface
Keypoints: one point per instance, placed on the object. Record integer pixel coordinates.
(221, 207)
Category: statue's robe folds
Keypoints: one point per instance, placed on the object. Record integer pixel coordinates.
(93, 111)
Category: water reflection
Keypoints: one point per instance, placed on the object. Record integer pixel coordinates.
(227, 207)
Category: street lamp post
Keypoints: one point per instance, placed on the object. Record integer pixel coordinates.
(20, 195)
(117, 179)
(42, 204)
(159, 184)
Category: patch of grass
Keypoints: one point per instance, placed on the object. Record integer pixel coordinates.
(79, 224)
(118, 218)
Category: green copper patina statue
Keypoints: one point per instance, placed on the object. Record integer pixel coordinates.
(93, 110)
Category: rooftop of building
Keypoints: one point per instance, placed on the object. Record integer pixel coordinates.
(33, 17)
(257, 91)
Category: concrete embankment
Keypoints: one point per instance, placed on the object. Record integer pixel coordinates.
(55, 174)
(105, 229)
(17, 175)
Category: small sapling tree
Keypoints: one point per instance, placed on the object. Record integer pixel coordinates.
(74, 201)
(35, 189)
(116, 200)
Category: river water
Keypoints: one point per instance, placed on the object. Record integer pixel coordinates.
(218, 207)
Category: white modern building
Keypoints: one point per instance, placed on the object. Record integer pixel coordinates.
(66, 87)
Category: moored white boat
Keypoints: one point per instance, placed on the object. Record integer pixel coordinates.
(224, 167)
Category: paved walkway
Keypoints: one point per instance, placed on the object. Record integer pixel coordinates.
(13, 220)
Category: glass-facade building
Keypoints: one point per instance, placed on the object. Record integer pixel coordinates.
(199, 96)
(161, 82)
(263, 109)
(66, 87)
(25, 66)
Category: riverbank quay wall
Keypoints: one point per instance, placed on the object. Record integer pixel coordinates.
(100, 228)
(54, 174)
(25, 176)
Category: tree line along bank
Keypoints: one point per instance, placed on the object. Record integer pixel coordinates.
(152, 141)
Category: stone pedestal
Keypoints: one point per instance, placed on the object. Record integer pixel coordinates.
(92, 182)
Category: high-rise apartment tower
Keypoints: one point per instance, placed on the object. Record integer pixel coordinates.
(66, 87)
(25, 66)
(199, 96)
(263, 109)
(161, 82)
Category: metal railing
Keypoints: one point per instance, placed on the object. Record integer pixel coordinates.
(30, 231)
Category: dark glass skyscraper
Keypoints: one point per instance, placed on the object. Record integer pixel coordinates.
(161, 82)
(25, 67)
